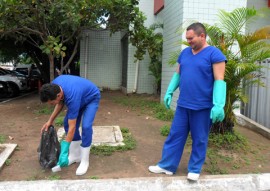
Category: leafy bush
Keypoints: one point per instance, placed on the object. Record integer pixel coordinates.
(165, 130)
(2, 139)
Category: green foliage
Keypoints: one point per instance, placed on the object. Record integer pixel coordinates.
(243, 68)
(45, 109)
(54, 27)
(165, 130)
(229, 141)
(59, 121)
(54, 46)
(147, 39)
(155, 47)
(162, 113)
(212, 166)
(2, 139)
(221, 149)
(8, 162)
(104, 150)
(94, 177)
(54, 177)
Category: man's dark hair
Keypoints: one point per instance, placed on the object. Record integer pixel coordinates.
(198, 28)
(49, 92)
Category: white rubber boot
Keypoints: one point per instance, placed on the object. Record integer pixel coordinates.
(74, 152)
(83, 167)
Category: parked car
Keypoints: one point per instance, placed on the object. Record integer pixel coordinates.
(3, 89)
(14, 82)
(32, 73)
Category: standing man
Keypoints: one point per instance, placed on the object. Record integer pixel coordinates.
(81, 98)
(200, 77)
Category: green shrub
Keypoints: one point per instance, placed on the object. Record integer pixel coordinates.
(230, 141)
(59, 121)
(2, 139)
(165, 130)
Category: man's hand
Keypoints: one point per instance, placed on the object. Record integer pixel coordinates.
(45, 126)
(219, 99)
(174, 84)
(167, 100)
(63, 158)
(217, 114)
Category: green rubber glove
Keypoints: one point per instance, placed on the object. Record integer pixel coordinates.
(63, 158)
(174, 84)
(219, 99)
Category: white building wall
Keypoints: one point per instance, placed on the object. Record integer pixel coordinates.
(173, 18)
(101, 58)
(178, 12)
(101, 54)
(145, 83)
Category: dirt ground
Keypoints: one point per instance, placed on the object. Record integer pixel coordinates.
(20, 121)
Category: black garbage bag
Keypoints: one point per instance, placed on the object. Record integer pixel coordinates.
(49, 148)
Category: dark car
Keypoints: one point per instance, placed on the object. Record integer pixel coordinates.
(32, 73)
(3, 89)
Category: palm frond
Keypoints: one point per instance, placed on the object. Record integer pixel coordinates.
(234, 22)
(173, 58)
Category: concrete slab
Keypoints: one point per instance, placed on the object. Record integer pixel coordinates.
(8, 150)
(102, 135)
(247, 182)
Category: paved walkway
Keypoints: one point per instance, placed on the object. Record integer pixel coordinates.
(248, 182)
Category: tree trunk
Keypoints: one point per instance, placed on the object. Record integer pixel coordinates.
(222, 127)
(51, 59)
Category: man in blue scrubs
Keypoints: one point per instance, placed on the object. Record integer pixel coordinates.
(81, 97)
(200, 78)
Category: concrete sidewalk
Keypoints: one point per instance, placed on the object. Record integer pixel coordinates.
(247, 182)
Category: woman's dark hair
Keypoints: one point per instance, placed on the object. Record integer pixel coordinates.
(198, 28)
(49, 92)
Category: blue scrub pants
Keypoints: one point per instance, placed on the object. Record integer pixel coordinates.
(198, 123)
(87, 114)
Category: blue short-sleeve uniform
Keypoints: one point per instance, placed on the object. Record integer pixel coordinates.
(78, 92)
(81, 96)
(197, 78)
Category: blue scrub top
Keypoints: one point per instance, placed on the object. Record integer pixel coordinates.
(197, 77)
(78, 92)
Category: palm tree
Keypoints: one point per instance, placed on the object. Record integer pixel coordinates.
(244, 52)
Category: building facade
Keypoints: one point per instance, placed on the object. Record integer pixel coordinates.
(109, 60)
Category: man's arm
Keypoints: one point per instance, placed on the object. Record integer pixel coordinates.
(71, 129)
(178, 69)
(173, 85)
(219, 70)
(219, 93)
(57, 109)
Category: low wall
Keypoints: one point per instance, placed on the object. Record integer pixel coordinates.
(252, 125)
